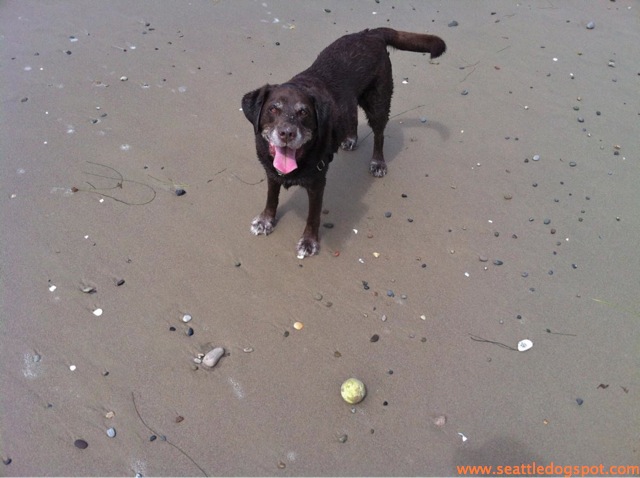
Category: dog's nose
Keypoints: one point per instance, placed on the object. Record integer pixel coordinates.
(287, 133)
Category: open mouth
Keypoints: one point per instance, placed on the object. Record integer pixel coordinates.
(284, 158)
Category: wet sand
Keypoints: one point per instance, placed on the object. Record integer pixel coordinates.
(109, 107)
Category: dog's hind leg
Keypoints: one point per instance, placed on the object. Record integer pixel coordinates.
(376, 103)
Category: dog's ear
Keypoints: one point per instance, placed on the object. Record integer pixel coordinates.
(252, 105)
(323, 119)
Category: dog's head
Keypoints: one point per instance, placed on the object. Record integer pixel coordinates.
(289, 119)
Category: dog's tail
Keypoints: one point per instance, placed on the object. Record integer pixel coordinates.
(418, 42)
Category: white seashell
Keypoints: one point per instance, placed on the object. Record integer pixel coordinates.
(524, 345)
(211, 359)
(97, 312)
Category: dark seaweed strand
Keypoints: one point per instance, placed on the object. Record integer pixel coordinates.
(135, 406)
(500, 344)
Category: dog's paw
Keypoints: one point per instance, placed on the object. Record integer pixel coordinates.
(350, 143)
(377, 168)
(262, 225)
(307, 247)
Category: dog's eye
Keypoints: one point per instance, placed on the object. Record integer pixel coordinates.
(303, 113)
(273, 110)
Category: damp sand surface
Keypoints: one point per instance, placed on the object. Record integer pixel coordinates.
(510, 212)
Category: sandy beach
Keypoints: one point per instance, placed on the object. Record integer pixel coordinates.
(511, 212)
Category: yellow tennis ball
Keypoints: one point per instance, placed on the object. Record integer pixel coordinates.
(353, 391)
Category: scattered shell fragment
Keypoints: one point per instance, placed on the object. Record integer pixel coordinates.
(110, 414)
(97, 312)
(463, 437)
(88, 289)
(298, 325)
(211, 358)
(111, 432)
(524, 345)
(186, 318)
(247, 350)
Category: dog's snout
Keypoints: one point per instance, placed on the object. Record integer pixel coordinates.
(287, 133)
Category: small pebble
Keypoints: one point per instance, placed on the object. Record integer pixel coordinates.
(186, 318)
(387, 214)
(580, 119)
(536, 157)
(483, 258)
(423, 119)
(343, 438)
(525, 274)
(497, 262)
(79, 443)
(111, 432)
(453, 23)
(120, 282)
(464, 92)
(180, 192)
(579, 401)
(189, 332)
(211, 359)
(247, 350)
(328, 225)
(573, 164)
(374, 338)
(440, 421)
(390, 293)
(591, 25)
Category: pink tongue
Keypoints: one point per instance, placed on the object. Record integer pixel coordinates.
(285, 160)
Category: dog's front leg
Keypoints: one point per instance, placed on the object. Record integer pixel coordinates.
(266, 220)
(309, 245)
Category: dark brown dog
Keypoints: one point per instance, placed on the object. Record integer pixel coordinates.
(300, 124)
